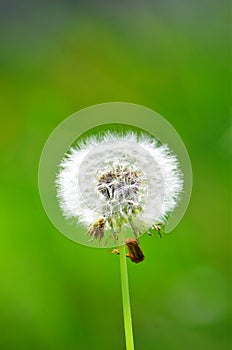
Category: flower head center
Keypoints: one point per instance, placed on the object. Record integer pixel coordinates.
(119, 185)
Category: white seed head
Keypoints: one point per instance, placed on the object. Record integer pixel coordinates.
(124, 178)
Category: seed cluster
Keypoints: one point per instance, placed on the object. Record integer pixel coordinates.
(115, 183)
(119, 185)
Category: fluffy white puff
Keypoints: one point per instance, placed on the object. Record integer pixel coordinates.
(160, 181)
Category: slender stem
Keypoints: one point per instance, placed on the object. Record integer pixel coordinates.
(126, 300)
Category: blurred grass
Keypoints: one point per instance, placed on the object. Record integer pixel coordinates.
(56, 294)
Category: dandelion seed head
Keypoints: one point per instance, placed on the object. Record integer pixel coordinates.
(126, 178)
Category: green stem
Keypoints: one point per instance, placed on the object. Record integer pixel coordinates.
(126, 300)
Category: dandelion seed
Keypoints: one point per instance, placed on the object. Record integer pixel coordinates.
(114, 180)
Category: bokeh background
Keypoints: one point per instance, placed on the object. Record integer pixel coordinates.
(56, 58)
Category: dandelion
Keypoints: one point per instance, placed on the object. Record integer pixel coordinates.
(118, 186)
(115, 180)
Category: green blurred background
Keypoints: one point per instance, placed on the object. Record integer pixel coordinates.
(56, 58)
